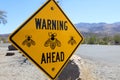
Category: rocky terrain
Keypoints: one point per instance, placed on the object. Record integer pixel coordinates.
(13, 67)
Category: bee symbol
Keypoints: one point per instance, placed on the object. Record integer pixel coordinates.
(72, 41)
(28, 41)
(52, 41)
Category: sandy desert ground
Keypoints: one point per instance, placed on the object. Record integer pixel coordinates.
(14, 68)
(102, 61)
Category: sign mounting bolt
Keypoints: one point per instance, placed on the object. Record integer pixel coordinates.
(53, 69)
(52, 8)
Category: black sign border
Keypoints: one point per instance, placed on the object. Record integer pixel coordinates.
(18, 47)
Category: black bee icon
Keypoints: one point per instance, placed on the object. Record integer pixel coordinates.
(72, 41)
(52, 41)
(28, 41)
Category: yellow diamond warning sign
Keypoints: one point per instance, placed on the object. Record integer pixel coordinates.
(47, 38)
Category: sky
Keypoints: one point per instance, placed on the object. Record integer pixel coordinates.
(88, 11)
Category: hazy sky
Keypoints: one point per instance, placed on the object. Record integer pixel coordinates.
(91, 11)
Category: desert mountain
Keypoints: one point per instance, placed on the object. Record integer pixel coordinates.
(100, 28)
(97, 28)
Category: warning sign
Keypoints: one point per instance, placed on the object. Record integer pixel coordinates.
(47, 38)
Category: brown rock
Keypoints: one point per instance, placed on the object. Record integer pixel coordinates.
(71, 71)
(11, 47)
(10, 54)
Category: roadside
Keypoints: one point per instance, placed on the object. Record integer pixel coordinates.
(102, 70)
(14, 68)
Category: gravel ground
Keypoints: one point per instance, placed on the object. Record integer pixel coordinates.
(14, 68)
(102, 70)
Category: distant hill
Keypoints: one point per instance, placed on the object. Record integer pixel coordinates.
(4, 35)
(99, 28)
(95, 28)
